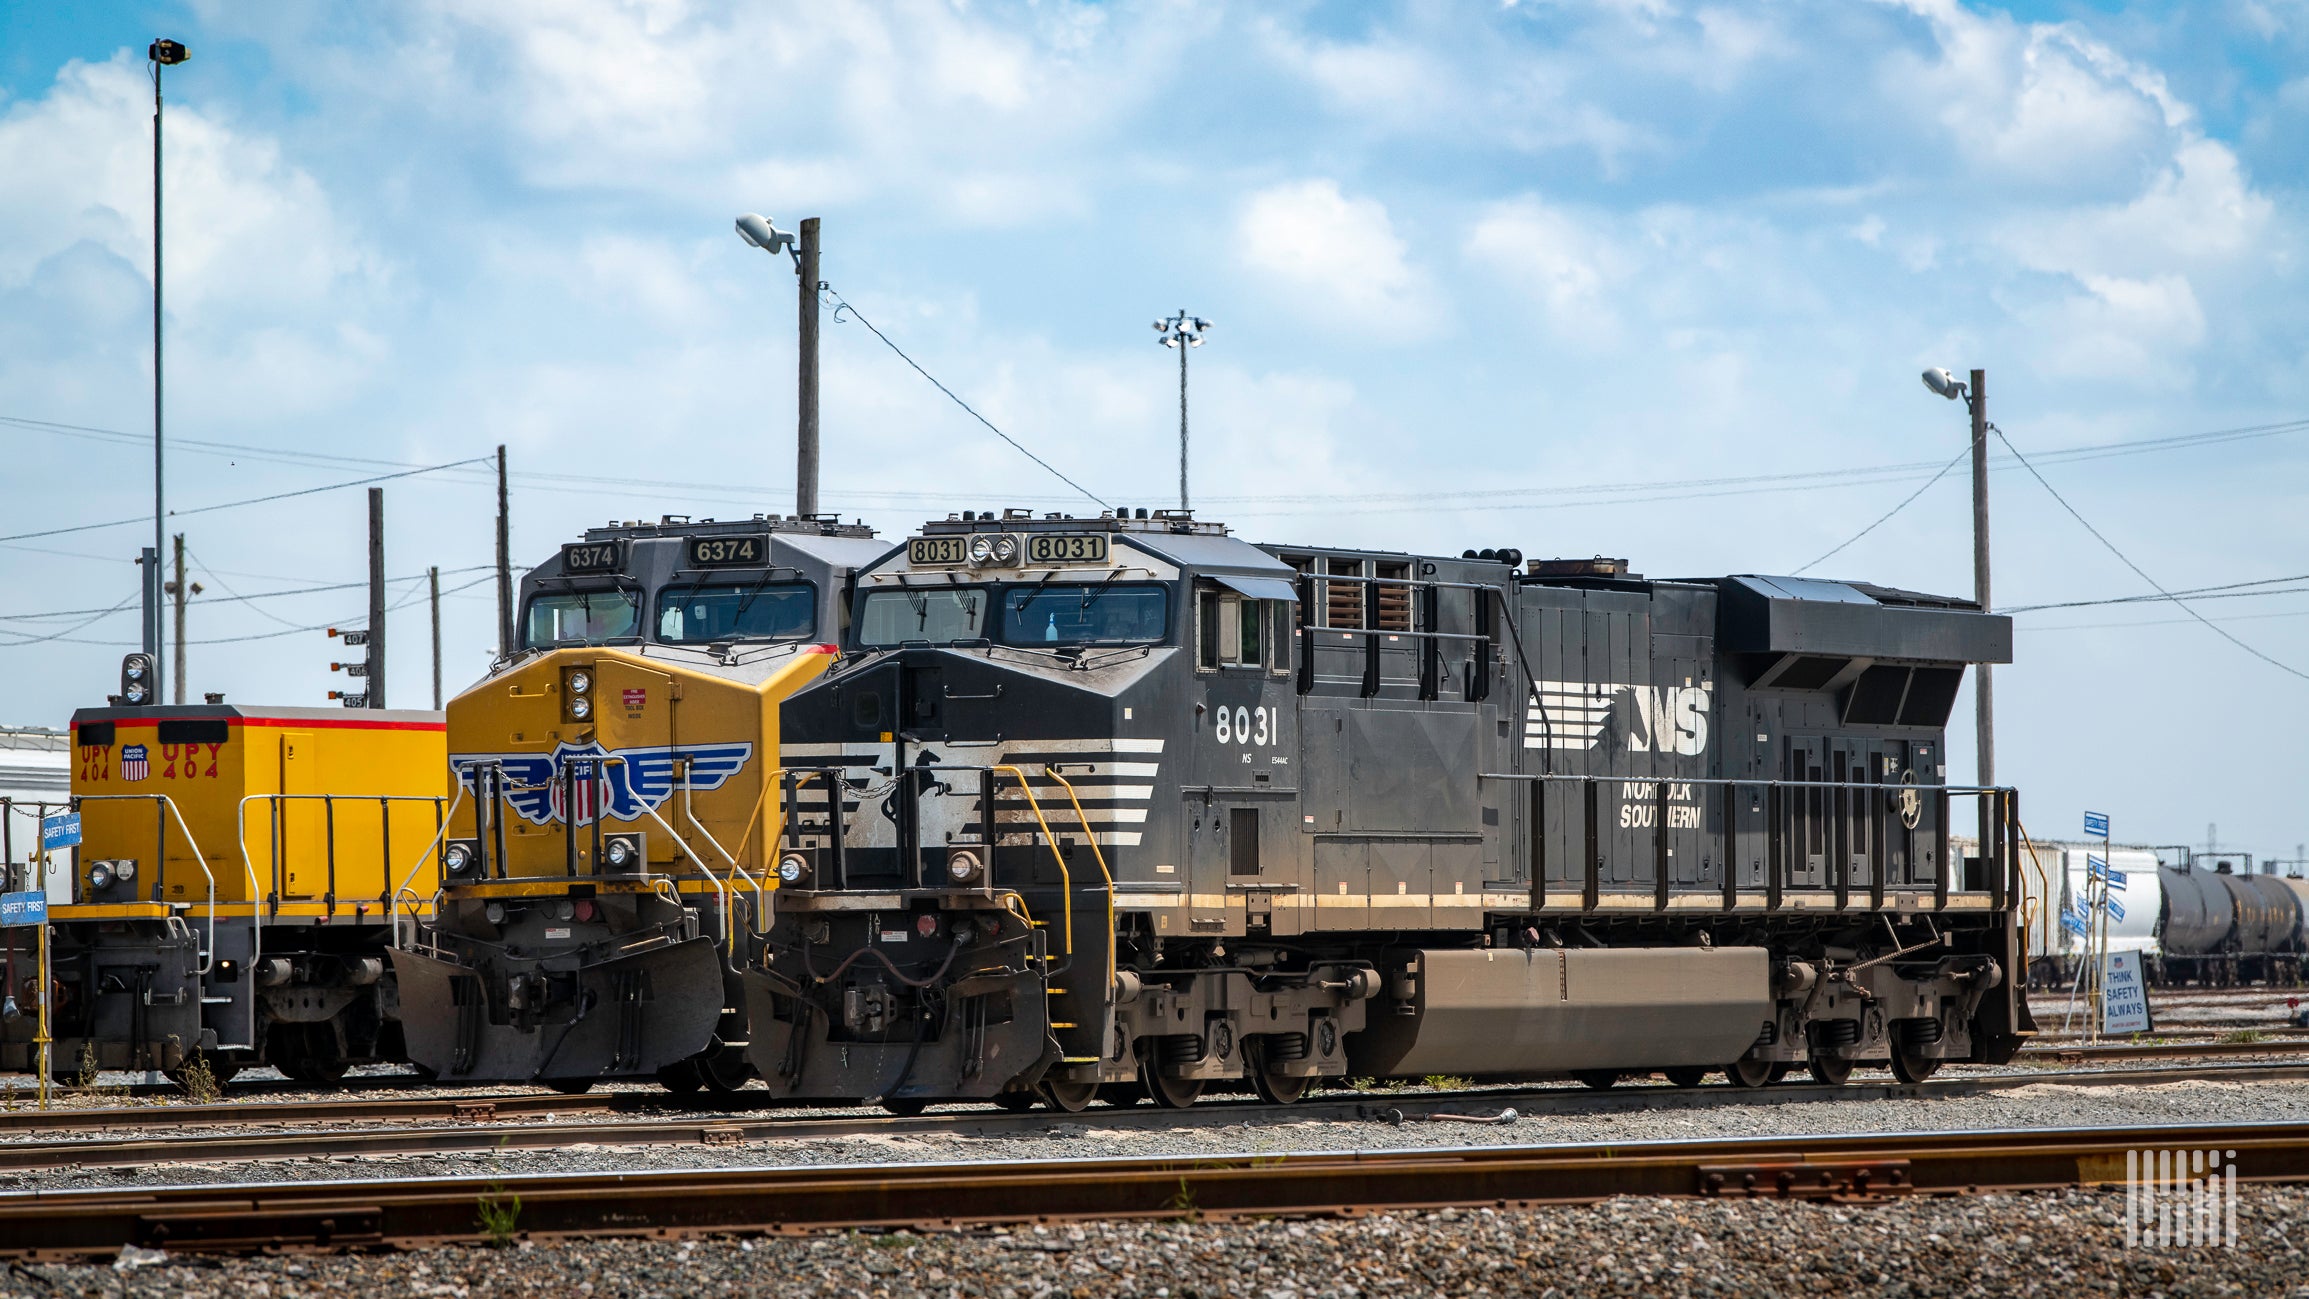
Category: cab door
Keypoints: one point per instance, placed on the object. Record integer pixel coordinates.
(301, 868)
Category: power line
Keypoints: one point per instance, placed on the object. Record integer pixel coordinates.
(2137, 570)
(100, 615)
(232, 505)
(2226, 591)
(1904, 504)
(842, 304)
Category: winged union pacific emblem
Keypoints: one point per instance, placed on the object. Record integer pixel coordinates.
(537, 788)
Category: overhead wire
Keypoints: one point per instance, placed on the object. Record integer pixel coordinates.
(1904, 504)
(233, 505)
(2138, 571)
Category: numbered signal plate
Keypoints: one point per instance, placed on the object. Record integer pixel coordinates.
(746, 550)
(938, 550)
(593, 557)
(1066, 548)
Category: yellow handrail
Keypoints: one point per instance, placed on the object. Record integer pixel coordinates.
(2027, 917)
(1065, 877)
(1096, 855)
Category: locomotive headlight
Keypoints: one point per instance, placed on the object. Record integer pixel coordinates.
(134, 671)
(1006, 549)
(963, 866)
(457, 858)
(580, 708)
(100, 876)
(622, 852)
(136, 692)
(793, 868)
(981, 549)
(577, 694)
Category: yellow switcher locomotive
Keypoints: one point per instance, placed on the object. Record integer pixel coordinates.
(233, 891)
(617, 820)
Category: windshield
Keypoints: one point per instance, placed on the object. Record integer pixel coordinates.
(737, 611)
(1082, 615)
(582, 618)
(945, 613)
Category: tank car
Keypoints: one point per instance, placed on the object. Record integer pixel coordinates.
(2222, 924)
(2056, 879)
(232, 893)
(1127, 806)
(615, 820)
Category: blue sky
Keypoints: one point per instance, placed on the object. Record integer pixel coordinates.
(1533, 274)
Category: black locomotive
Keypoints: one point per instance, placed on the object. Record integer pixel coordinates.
(1127, 804)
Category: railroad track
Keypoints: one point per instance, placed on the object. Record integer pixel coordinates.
(81, 1224)
(481, 1132)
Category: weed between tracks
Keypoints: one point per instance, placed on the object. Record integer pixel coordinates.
(500, 1215)
(199, 1081)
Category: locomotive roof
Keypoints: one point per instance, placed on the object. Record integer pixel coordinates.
(788, 527)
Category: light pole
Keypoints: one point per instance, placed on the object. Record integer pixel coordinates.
(162, 54)
(1975, 397)
(759, 232)
(1182, 331)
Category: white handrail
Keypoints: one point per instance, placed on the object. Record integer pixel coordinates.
(761, 896)
(449, 818)
(208, 958)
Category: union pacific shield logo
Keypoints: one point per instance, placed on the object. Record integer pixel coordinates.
(134, 762)
(615, 784)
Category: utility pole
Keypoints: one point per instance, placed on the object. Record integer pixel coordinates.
(1182, 331)
(806, 439)
(504, 563)
(376, 687)
(177, 590)
(162, 54)
(433, 589)
(1983, 698)
(149, 574)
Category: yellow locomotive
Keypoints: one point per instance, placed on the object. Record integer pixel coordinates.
(232, 892)
(618, 813)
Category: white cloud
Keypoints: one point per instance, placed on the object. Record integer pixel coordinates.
(1566, 264)
(1337, 258)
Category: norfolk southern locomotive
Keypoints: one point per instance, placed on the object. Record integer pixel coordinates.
(1125, 805)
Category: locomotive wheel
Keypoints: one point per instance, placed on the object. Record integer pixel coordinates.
(1279, 1089)
(1686, 1075)
(723, 1070)
(1913, 1068)
(905, 1107)
(568, 1086)
(1121, 1095)
(1597, 1079)
(1167, 1093)
(1751, 1073)
(1830, 1071)
(681, 1077)
(1015, 1102)
(1069, 1097)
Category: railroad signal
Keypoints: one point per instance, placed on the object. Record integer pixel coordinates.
(353, 640)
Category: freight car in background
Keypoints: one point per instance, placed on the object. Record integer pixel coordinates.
(2056, 875)
(232, 894)
(2225, 923)
(1126, 806)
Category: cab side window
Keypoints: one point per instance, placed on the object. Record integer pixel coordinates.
(1230, 630)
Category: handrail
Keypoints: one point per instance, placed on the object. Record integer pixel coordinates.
(208, 958)
(1098, 855)
(761, 898)
(721, 888)
(1065, 877)
(440, 833)
(2026, 919)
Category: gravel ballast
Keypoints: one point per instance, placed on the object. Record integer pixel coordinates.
(2056, 1244)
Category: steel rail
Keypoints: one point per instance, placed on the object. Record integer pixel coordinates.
(476, 1127)
(1873, 1167)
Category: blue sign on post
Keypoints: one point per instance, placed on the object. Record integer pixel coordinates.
(23, 909)
(2097, 823)
(59, 830)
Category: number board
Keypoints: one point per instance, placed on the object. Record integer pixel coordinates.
(749, 550)
(936, 550)
(1066, 548)
(592, 557)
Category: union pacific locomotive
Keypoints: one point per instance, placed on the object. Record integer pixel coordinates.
(614, 831)
(1125, 805)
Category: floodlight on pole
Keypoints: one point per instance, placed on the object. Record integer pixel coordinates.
(1975, 395)
(163, 54)
(1182, 331)
(763, 234)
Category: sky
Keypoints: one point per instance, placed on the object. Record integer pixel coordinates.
(1634, 277)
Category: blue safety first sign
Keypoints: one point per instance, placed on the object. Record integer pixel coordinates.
(23, 909)
(59, 830)
(2097, 823)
